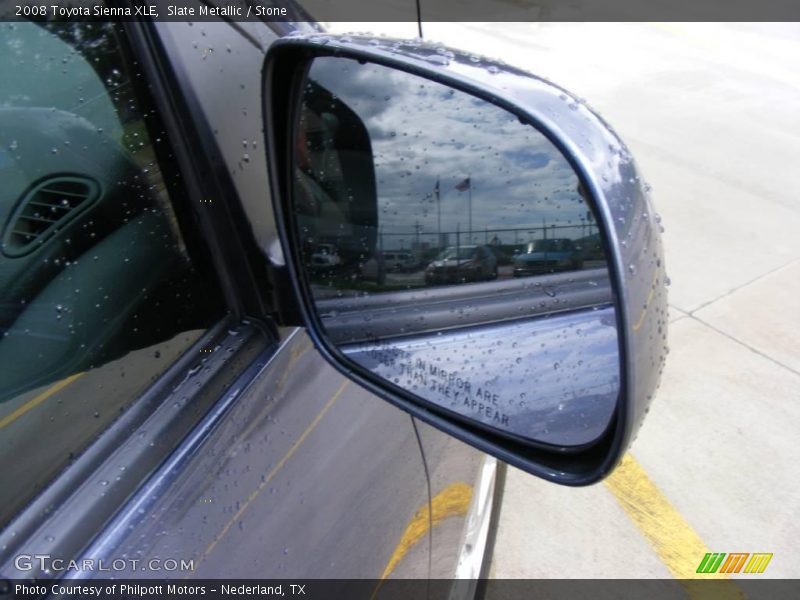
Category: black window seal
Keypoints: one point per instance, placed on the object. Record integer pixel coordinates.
(197, 248)
(240, 264)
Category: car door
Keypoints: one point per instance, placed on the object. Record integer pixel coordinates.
(190, 436)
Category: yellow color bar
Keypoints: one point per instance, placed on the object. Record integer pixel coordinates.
(758, 563)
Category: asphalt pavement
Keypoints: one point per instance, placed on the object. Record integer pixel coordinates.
(710, 112)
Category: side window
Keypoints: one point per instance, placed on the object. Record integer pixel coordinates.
(100, 290)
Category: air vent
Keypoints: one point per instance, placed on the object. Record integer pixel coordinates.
(45, 209)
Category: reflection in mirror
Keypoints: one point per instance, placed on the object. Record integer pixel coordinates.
(449, 248)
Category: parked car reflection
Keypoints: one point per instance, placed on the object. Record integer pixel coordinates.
(548, 256)
(461, 264)
(325, 256)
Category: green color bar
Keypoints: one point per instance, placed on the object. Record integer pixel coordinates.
(710, 562)
(701, 568)
(717, 563)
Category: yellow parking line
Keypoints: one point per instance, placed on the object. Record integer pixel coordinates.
(452, 500)
(8, 419)
(677, 545)
(254, 494)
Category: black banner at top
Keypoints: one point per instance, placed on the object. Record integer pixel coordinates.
(402, 10)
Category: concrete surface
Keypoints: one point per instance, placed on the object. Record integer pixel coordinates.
(710, 111)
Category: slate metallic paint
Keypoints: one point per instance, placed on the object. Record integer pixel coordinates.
(617, 193)
(244, 499)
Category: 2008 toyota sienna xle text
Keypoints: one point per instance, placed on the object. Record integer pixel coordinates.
(181, 384)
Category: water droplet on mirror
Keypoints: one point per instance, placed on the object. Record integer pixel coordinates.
(437, 59)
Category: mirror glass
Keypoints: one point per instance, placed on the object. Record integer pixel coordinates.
(450, 249)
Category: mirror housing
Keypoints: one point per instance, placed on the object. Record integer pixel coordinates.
(631, 233)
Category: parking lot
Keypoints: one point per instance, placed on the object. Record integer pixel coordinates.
(710, 113)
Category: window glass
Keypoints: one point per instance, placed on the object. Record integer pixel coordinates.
(99, 292)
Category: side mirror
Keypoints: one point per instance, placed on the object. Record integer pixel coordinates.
(458, 194)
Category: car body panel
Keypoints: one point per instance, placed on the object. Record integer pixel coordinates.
(306, 475)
